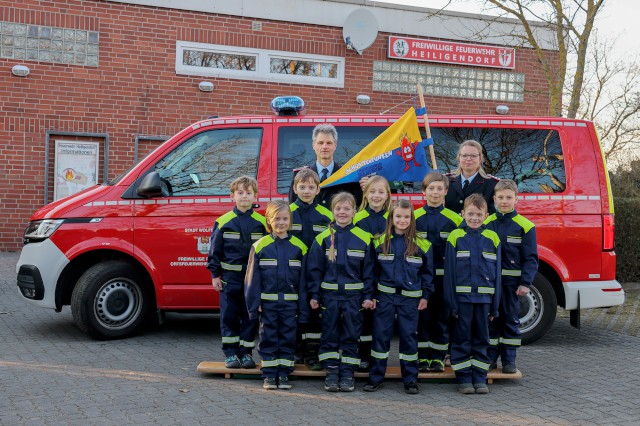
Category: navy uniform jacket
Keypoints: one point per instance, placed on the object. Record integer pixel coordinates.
(409, 276)
(309, 220)
(519, 247)
(374, 223)
(275, 275)
(231, 239)
(351, 275)
(454, 200)
(324, 197)
(472, 268)
(435, 224)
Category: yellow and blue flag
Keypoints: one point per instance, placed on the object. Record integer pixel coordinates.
(398, 154)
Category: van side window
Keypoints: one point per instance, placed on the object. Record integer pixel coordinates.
(207, 163)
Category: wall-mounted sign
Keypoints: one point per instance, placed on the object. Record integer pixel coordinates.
(76, 167)
(425, 50)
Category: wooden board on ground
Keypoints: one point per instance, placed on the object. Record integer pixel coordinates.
(393, 372)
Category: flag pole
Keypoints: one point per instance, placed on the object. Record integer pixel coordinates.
(432, 153)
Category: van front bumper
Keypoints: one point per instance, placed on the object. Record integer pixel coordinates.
(592, 294)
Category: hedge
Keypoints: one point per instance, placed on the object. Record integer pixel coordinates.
(627, 239)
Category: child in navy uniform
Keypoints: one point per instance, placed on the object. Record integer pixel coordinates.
(519, 266)
(231, 239)
(340, 277)
(309, 220)
(435, 222)
(471, 294)
(372, 218)
(275, 290)
(405, 267)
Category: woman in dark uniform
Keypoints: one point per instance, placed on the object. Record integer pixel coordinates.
(469, 178)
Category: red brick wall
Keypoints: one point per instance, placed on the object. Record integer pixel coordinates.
(135, 90)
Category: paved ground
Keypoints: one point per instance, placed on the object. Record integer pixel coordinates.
(51, 373)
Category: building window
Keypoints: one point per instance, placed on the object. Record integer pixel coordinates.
(212, 60)
(452, 82)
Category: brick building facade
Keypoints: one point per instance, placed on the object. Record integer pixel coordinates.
(107, 72)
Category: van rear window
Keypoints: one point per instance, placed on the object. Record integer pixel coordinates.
(531, 157)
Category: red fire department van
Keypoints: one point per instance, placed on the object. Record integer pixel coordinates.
(120, 252)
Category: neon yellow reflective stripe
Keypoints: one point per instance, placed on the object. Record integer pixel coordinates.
(269, 363)
(486, 290)
(490, 256)
(479, 364)
(411, 293)
(355, 253)
(329, 286)
(386, 289)
(313, 336)
(463, 289)
(511, 342)
(408, 357)
(349, 360)
(439, 271)
(225, 218)
(494, 342)
(290, 296)
(367, 338)
(512, 272)
(525, 223)
(286, 362)
(262, 243)
(461, 365)
(379, 355)
(248, 344)
(268, 262)
(463, 253)
(230, 339)
(269, 296)
(295, 263)
(423, 345)
(328, 355)
(437, 361)
(419, 213)
(298, 243)
(439, 346)
(354, 286)
(230, 267)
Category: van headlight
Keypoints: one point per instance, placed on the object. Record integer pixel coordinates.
(40, 230)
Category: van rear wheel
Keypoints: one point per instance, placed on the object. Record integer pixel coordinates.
(537, 310)
(110, 300)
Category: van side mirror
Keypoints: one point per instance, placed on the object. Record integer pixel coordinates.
(151, 185)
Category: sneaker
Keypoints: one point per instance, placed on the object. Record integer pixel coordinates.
(313, 363)
(283, 382)
(364, 366)
(331, 381)
(493, 365)
(466, 388)
(372, 386)
(247, 361)
(437, 366)
(509, 369)
(411, 388)
(423, 366)
(270, 383)
(481, 388)
(347, 384)
(232, 362)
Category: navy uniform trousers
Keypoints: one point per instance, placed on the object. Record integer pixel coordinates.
(278, 326)
(237, 330)
(469, 357)
(341, 327)
(504, 331)
(405, 309)
(433, 328)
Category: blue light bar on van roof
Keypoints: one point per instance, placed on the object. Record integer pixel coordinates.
(287, 105)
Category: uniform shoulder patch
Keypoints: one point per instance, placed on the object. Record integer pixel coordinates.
(257, 216)
(359, 216)
(490, 219)
(424, 244)
(525, 223)
(324, 211)
(321, 236)
(418, 213)
(298, 243)
(451, 215)
(262, 243)
(455, 234)
(225, 218)
(362, 234)
(492, 236)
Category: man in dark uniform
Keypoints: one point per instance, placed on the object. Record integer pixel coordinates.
(469, 178)
(324, 143)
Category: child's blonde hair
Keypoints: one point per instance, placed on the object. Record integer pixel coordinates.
(367, 187)
(477, 201)
(410, 234)
(340, 197)
(306, 175)
(435, 177)
(273, 208)
(506, 184)
(246, 181)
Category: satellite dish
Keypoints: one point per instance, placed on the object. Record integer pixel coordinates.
(360, 30)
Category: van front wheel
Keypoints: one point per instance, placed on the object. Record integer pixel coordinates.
(537, 310)
(110, 300)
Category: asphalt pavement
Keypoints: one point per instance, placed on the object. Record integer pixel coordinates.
(53, 374)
